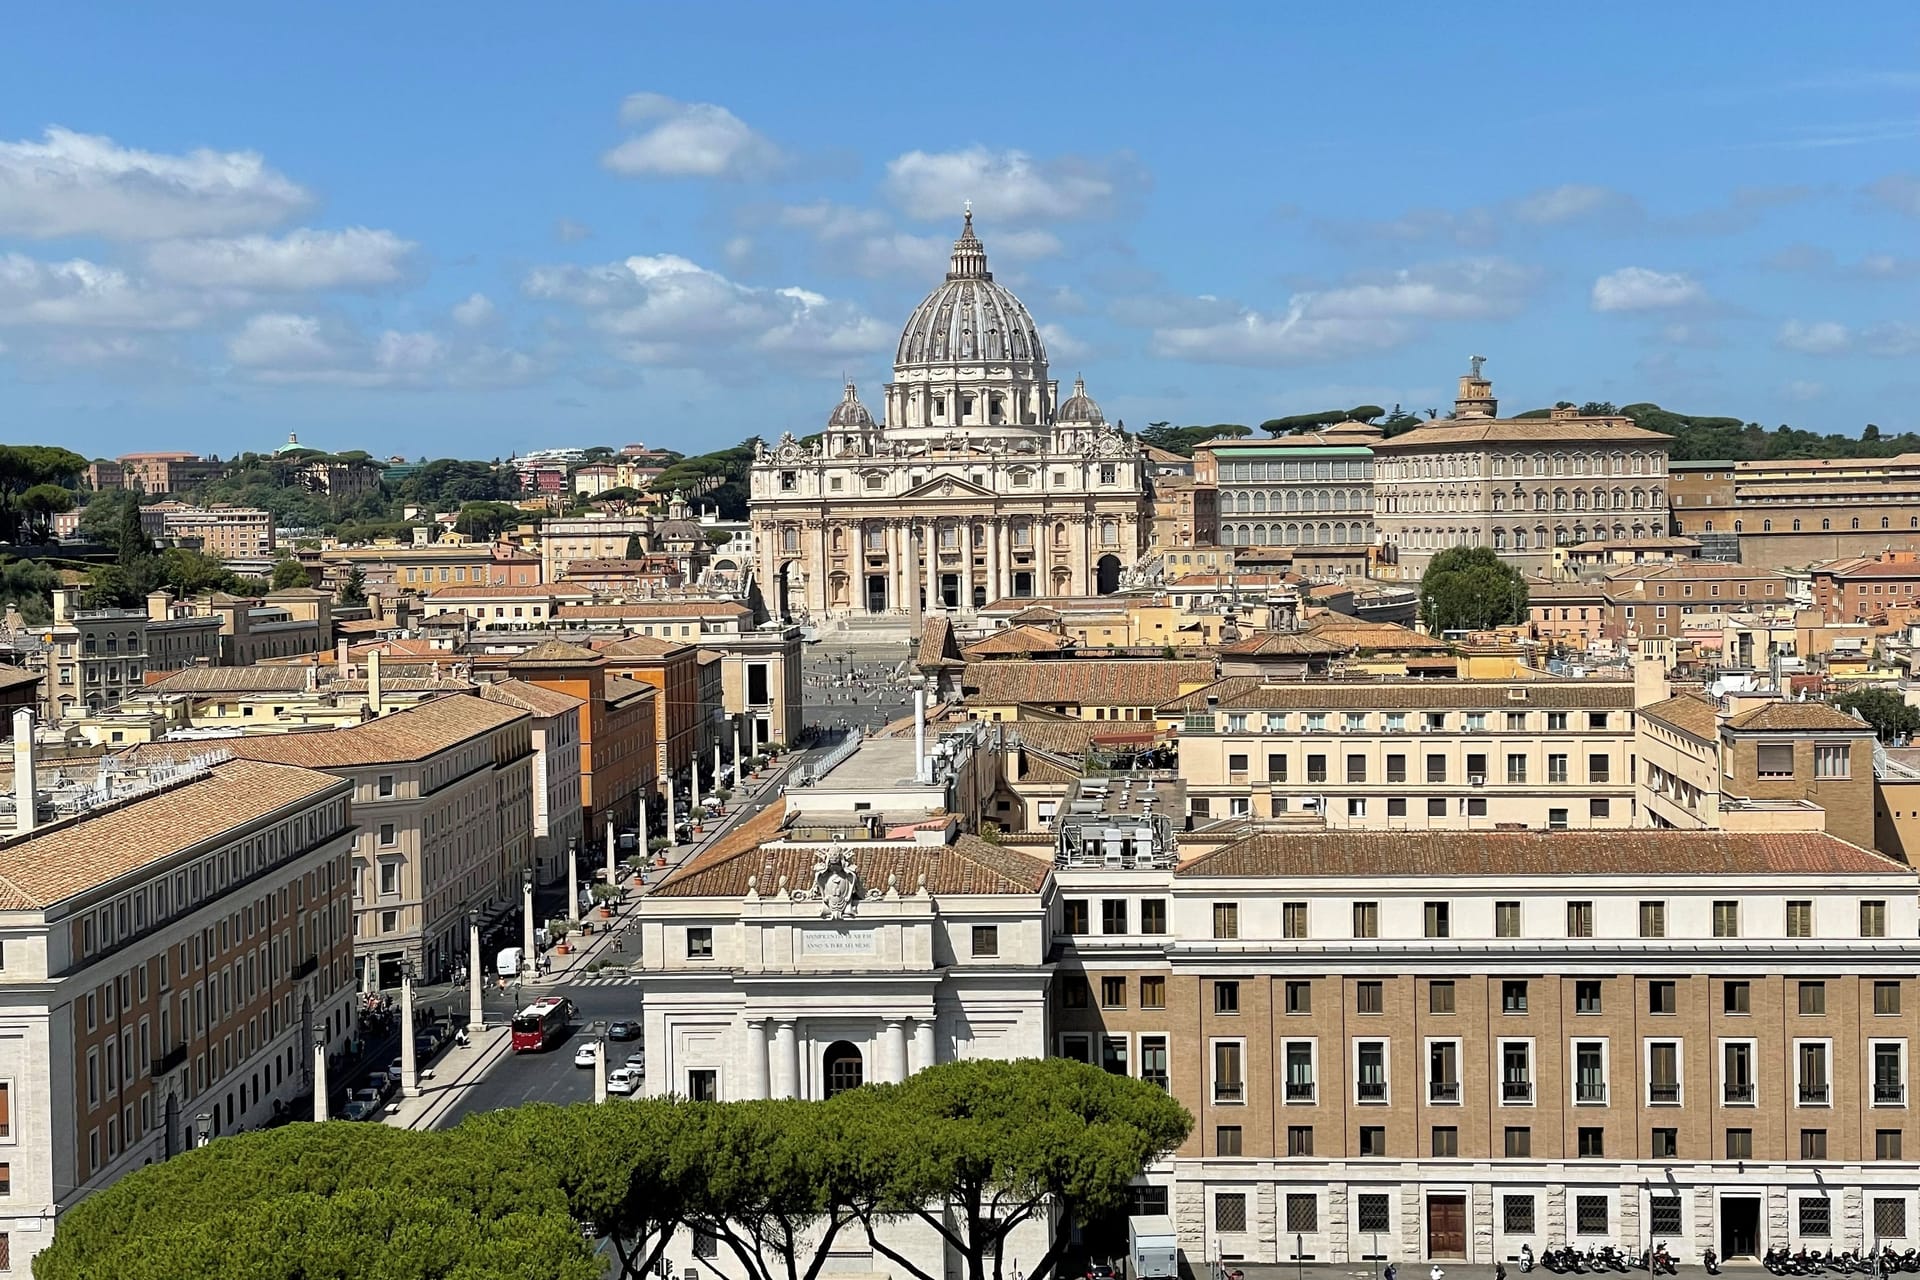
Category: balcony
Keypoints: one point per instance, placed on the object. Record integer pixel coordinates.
(169, 1060)
(1443, 1091)
(1155, 1078)
(1371, 1091)
(1889, 1095)
(1663, 1093)
(1300, 1091)
(305, 967)
(1813, 1095)
(1739, 1093)
(1229, 1091)
(1516, 1091)
(1592, 1092)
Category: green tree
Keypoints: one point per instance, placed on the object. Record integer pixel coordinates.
(1886, 711)
(353, 590)
(1365, 412)
(634, 549)
(290, 573)
(39, 505)
(483, 521)
(189, 572)
(24, 467)
(110, 587)
(28, 586)
(1471, 589)
(780, 1180)
(976, 1148)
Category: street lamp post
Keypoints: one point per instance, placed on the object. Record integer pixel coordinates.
(613, 856)
(738, 776)
(645, 853)
(476, 1019)
(320, 1110)
(673, 831)
(409, 1066)
(529, 953)
(573, 881)
(203, 1129)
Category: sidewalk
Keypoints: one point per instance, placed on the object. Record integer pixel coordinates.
(446, 1082)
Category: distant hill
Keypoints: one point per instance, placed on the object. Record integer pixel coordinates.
(1698, 437)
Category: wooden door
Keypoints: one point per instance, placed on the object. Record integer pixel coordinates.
(1446, 1226)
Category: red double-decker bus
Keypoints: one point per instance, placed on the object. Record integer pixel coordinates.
(541, 1024)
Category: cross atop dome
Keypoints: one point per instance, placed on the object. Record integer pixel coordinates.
(969, 255)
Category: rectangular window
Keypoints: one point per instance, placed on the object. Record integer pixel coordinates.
(703, 1086)
(1513, 995)
(1356, 768)
(1369, 996)
(1873, 919)
(1443, 1071)
(1653, 919)
(1226, 920)
(1226, 1140)
(1436, 768)
(1436, 807)
(1831, 761)
(1276, 767)
(1813, 999)
(1886, 998)
(1366, 919)
(1316, 768)
(1396, 768)
(1075, 915)
(1556, 767)
(1516, 1215)
(1579, 919)
(1599, 810)
(1516, 768)
(1440, 997)
(1518, 1142)
(1153, 992)
(1153, 915)
(1810, 1064)
(1800, 918)
(1592, 1145)
(1774, 759)
(1293, 919)
(1813, 1144)
(1153, 1060)
(1889, 1073)
(986, 940)
(1739, 1144)
(1370, 1071)
(1302, 1212)
(1516, 1072)
(699, 944)
(1226, 997)
(1074, 992)
(1373, 1140)
(1375, 1215)
(1506, 919)
(1113, 915)
(1736, 997)
(1665, 1144)
(1586, 995)
(1663, 1073)
(1663, 1214)
(1662, 997)
(1438, 920)
(1228, 1083)
(1886, 1144)
(1599, 768)
(1298, 1057)
(1113, 993)
(1589, 1071)
(1230, 1212)
(1816, 1212)
(1299, 1140)
(1446, 1141)
(1736, 1076)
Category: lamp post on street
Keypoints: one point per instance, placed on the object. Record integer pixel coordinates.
(203, 1129)
(613, 856)
(409, 1066)
(476, 1019)
(573, 881)
(529, 954)
(738, 776)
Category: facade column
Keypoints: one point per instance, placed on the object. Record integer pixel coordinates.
(899, 564)
(893, 1051)
(1086, 554)
(786, 1059)
(817, 590)
(922, 1056)
(757, 1058)
(931, 542)
(995, 588)
(673, 831)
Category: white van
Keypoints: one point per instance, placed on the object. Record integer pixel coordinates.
(507, 964)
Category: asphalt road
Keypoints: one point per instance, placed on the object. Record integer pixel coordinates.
(551, 1076)
(864, 685)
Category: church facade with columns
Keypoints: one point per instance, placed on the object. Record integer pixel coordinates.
(977, 483)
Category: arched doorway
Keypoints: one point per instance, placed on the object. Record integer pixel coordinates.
(842, 1068)
(1107, 580)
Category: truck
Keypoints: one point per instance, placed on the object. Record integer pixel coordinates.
(1153, 1251)
(507, 964)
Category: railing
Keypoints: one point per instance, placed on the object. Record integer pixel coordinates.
(1589, 1091)
(305, 967)
(1155, 1078)
(832, 759)
(1371, 1091)
(1813, 1093)
(1516, 1091)
(1889, 1094)
(1298, 1091)
(1443, 1091)
(1229, 1091)
(1663, 1093)
(1738, 1093)
(169, 1060)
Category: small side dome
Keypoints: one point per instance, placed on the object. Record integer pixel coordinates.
(850, 413)
(1079, 407)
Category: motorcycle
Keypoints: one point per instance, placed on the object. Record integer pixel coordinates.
(1711, 1261)
(1526, 1258)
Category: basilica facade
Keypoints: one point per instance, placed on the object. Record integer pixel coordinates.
(977, 483)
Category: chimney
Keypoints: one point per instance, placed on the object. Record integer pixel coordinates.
(343, 664)
(1650, 683)
(26, 791)
(313, 676)
(159, 606)
(63, 599)
(373, 683)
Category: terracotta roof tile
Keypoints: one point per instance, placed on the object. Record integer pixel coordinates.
(1089, 681)
(550, 653)
(638, 647)
(538, 699)
(1283, 644)
(657, 609)
(413, 734)
(1251, 693)
(1802, 717)
(1498, 854)
(1519, 431)
(257, 679)
(1688, 712)
(1020, 639)
(84, 853)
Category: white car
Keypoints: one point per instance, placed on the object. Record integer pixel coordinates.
(637, 1062)
(624, 1081)
(584, 1056)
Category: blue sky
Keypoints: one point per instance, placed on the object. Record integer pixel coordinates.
(434, 229)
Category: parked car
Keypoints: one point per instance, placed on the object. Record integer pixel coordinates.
(624, 1030)
(637, 1062)
(361, 1109)
(381, 1084)
(397, 1068)
(372, 1097)
(624, 1081)
(584, 1056)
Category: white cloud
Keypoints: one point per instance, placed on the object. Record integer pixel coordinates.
(1819, 338)
(1802, 390)
(1892, 339)
(1571, 202)
(287, 348)
(1899, 192)
(356, 258)
(1062, 345)
(82, 294)
(474, 310)
(688, 140)
(1361, 316)
(667, 310)
(567, 231)
(77, 184)
(1009, 187)
(1643, 289)
(864, 242)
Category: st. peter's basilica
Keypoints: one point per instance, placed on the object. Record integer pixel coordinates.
(979, 484)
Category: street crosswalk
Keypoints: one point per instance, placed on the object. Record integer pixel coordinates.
(604, 980)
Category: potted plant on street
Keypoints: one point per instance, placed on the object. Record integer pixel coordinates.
(604, 896)
(558, 928)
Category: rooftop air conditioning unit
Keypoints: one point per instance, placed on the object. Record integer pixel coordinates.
(1477, 780)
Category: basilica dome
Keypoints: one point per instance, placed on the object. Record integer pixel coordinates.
(1080, 407)
(968, 318)
(850, 413)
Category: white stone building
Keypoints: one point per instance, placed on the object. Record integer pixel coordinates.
(978, 485)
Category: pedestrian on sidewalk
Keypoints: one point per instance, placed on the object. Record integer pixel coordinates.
(1436, 1273)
